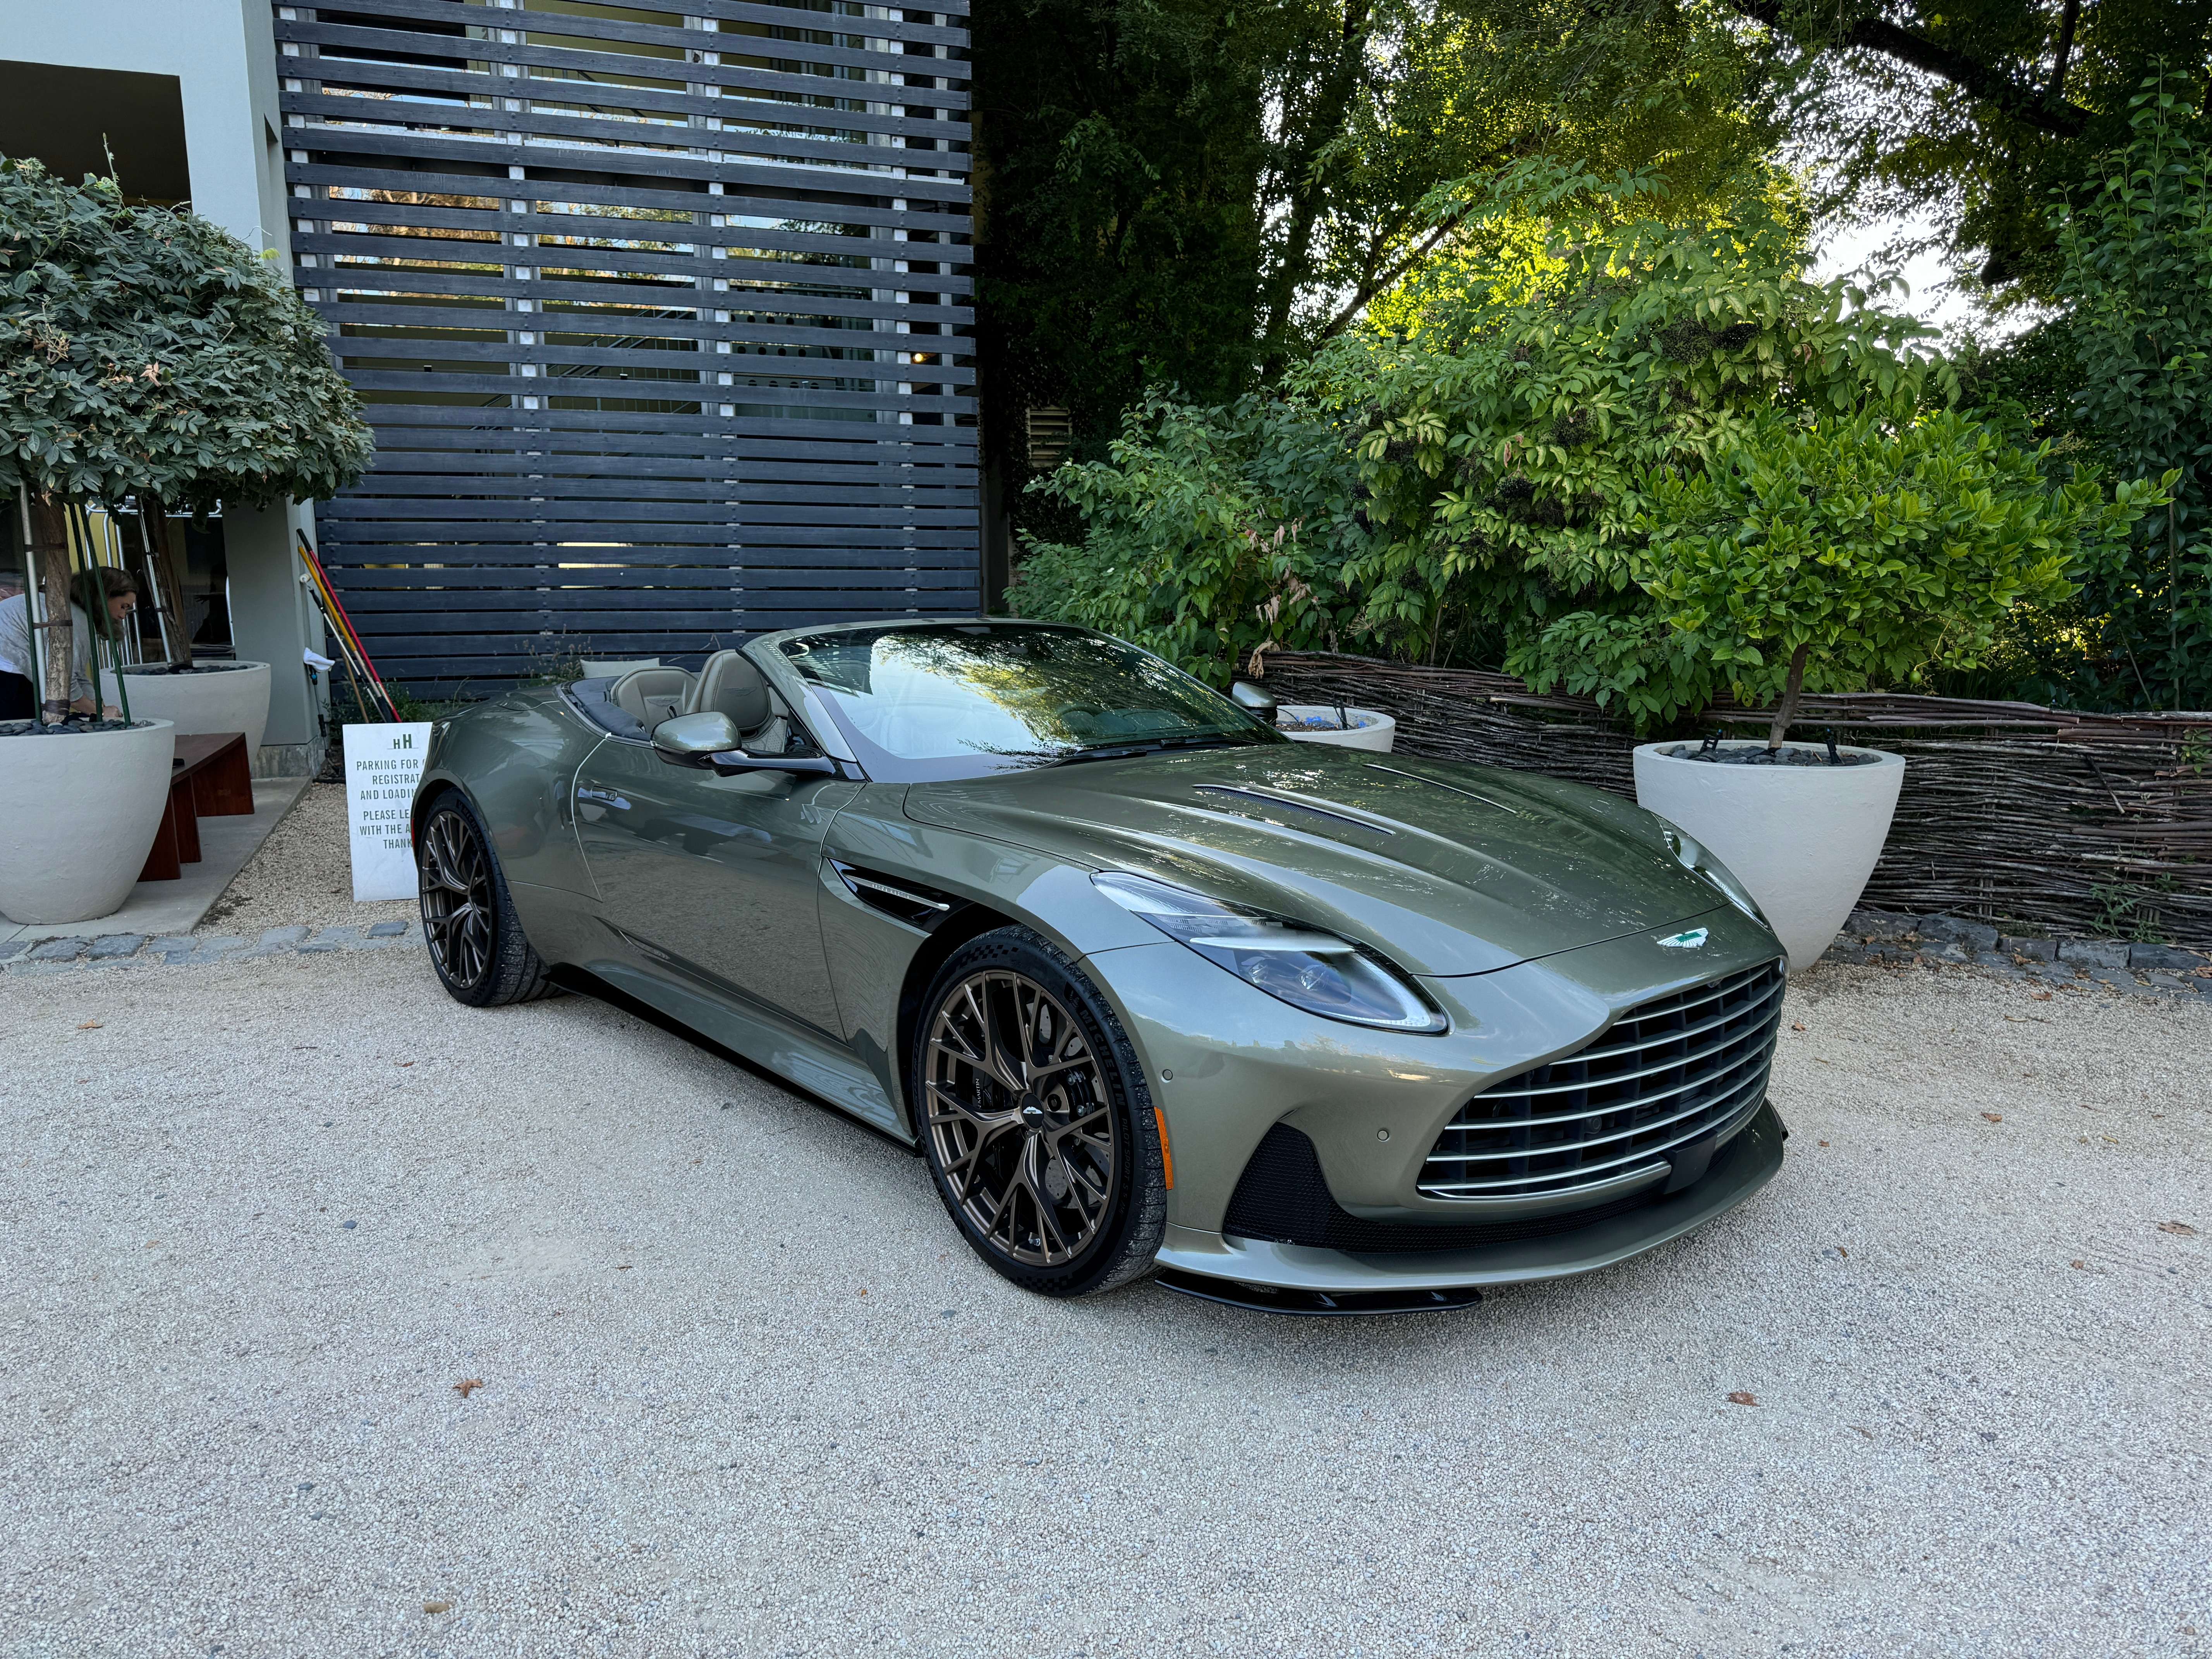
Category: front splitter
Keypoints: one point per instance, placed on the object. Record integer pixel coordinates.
(1290, 1299)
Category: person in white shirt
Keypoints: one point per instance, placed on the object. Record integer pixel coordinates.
(20, 689)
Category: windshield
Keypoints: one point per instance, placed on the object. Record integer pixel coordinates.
(958, 700)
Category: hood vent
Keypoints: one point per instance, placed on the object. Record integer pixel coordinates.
(1281, 805)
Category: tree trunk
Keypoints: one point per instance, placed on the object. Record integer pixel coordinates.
(162, 579)
(1309, 193)
(1786, 710)
(2067, 24)
(49, 568)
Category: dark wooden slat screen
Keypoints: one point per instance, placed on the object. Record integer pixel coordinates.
(559, 244)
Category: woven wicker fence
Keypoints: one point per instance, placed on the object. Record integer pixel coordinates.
(2077, 823)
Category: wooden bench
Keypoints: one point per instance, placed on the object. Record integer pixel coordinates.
(212, 776)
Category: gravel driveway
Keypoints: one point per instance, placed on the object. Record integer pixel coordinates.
(337, 1319)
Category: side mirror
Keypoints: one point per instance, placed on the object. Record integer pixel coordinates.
(695, 736)
(1258, 699)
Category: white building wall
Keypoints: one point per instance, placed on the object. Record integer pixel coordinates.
(221, 52)
(223, 55)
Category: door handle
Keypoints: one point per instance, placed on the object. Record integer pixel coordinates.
(604, 797)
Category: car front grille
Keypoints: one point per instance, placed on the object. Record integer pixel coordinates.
(1664, 1075)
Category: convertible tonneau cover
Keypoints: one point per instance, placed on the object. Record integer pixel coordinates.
(591, 701)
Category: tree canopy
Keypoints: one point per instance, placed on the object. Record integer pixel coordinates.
(1194, 192)
(1466, 279)
(1377, 103)
(143, 349)
(1972, 113)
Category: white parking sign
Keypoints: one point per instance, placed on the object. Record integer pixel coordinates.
(383, 764)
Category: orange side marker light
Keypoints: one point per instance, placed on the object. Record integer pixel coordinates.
(1167, 1158)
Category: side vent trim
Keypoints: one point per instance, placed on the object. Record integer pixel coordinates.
(903, 901)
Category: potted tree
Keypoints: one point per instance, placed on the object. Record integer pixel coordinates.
(1829, 554)
(196, 696)
(142, 351)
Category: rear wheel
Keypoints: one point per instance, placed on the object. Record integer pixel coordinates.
(1035, 1119)
(476, 939)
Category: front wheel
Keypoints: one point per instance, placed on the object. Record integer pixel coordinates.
(476, 939)
(1035, 1119)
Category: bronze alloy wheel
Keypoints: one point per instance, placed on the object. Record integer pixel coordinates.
(1020, 1118)
(457, 901)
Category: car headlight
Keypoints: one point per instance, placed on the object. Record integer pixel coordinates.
(1696, 860)
(1303, 966)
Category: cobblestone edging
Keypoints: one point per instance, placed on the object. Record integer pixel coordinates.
(62, 955)
(2108, 966)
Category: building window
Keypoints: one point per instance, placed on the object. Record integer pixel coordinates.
(74, 119)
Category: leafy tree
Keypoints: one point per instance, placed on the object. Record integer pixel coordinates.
(1824, 553)
(2137, 280)
(1377, 103)
(1192, 192)
(149, 350)
(1529, 386)
(1638, 459)
(1973, 111)
(2031, 375)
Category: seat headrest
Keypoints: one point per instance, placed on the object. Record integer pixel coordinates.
(730, 684)
(651, 695)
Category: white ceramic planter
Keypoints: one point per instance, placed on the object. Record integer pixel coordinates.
(214, 697)
(77, 818)
(1371, 729)
(1803, 839)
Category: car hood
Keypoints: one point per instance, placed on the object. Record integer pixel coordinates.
(1448, 869)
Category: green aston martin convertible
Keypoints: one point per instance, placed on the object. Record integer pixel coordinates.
(1151, 988)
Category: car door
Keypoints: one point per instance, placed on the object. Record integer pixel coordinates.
(717, 877)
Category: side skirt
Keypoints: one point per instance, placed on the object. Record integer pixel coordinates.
(837, 1078)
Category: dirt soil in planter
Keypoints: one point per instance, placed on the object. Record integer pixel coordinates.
(1790, 754)
(67, 729)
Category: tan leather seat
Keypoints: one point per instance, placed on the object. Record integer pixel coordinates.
(730, 684)
(653, 694)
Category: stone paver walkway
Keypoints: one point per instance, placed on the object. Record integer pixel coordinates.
(59, 956)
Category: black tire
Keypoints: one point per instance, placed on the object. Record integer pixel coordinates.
(477, 942)
(1023, 1081)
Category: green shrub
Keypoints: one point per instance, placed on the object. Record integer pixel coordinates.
(1211, 532)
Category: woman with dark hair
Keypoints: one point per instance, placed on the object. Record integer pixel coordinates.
(20, 696)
